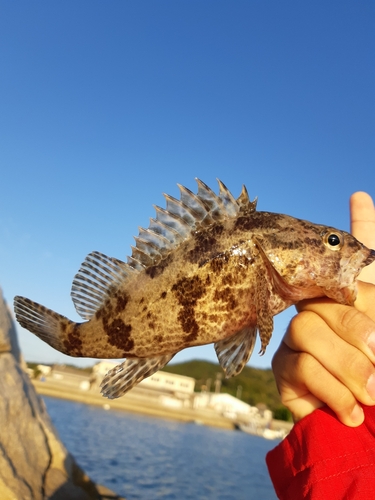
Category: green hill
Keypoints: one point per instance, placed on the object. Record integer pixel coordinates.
(256, 385)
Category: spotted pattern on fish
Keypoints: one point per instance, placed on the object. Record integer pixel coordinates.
(208, 269)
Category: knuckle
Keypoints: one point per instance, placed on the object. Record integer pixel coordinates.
(357, 367)
(304, 367)
(353, 321)
(343, 402)
(305, 321)
(304, 363)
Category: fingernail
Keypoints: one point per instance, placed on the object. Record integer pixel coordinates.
(357, 415)
(370, 386)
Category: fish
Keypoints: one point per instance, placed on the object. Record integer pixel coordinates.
(210, 268)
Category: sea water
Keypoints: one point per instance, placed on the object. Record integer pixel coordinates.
(147, 458)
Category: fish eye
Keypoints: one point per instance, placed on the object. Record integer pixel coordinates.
(334, 240)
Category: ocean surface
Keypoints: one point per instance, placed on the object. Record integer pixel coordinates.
(149, 458)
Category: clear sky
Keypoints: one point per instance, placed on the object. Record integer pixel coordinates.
(105, 105)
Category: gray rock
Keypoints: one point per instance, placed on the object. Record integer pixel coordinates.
(34, 464)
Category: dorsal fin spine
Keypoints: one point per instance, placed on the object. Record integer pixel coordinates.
(144, 258)
(231, 205)
(169, 233)
(192, 200)
(135, 264)
(177, 207)
(156, 239)
(173, 221)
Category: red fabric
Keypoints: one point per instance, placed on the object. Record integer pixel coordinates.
(323, 459)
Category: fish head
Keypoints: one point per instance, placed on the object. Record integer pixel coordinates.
(354, 257)
(311, 260)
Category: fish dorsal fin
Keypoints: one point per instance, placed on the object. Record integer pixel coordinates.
(180, 218)
(126, 375)
(97, 275)
(231, 206)
(246, 206)
(214, 205)
(234, 352)
(191, 200)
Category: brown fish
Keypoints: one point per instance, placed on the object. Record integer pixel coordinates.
(210, 268)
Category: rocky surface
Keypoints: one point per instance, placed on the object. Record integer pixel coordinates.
(34, 464)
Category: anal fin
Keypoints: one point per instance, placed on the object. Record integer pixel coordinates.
(234, 352)
(126, 375)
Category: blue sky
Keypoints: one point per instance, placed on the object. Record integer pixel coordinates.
(105, 105)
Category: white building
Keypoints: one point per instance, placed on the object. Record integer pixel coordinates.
(179, 385)
(44, 369)
(225, 404)
(163, 382)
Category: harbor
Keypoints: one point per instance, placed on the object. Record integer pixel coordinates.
(143, 457)
(165, 396)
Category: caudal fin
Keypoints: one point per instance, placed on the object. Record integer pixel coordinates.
(44, 323)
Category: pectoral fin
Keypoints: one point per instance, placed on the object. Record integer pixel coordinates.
(126, 375)
(234, 352)
(264, 317)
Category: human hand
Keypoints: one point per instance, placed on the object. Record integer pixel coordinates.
(327, 355)
(362, 226)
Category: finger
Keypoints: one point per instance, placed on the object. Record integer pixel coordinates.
(307, 385)
(362, 218)
(355, 325)
(343, 360)
(365, 300)
(362, 222)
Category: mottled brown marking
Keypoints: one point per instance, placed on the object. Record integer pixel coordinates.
(158, 269)
(258, 220)
(315, 242)
(188, 291)
(122, 298)
(205, 244)
(226, 295)
(218, 263)
(352, 244)
(73, 343)
(119, 334)
(104, 312)
(163, 295)
(282, 241)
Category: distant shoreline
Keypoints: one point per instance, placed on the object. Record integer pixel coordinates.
(142, 405)
(132, 404)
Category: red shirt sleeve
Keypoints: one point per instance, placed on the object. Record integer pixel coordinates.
(322, 459)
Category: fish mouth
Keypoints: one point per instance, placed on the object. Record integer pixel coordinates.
(370, 259)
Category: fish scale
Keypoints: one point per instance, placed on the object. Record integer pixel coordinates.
(208, 269)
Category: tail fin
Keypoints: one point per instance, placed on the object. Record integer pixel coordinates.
(44, 323)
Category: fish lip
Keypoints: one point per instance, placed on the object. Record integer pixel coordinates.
(370, 258)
